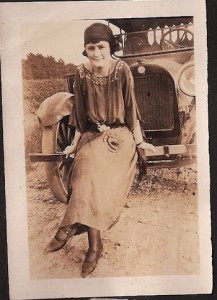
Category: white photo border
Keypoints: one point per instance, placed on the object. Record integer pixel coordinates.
(21, 286)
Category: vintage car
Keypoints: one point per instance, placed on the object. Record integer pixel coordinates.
(160, 54)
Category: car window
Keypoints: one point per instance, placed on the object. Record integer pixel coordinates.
(165, 39)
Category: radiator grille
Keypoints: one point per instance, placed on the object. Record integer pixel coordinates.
(155, 98)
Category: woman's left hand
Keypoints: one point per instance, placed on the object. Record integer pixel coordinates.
(146, 146)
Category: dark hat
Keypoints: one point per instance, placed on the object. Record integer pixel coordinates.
(99, 32)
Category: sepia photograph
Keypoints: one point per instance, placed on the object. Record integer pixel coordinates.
(154, 55)
(112, 189)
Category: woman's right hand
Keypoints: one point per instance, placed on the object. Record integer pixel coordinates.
(147, 146)
(70, 150)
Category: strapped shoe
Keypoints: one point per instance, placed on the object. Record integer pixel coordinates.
(91, 260)
(61, 238)
(55, 245)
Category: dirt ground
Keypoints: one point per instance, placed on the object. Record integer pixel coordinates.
(157, 233)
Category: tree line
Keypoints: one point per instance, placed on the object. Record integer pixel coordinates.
(41, 67)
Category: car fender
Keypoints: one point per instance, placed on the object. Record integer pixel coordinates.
(55, 107)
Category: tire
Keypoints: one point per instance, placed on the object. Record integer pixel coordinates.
(56, 138)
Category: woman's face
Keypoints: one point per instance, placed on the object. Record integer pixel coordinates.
(98, 53)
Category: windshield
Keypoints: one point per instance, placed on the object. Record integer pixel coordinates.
(166, 39)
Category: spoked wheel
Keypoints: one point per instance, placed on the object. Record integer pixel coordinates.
(177, 39)
(55, 139)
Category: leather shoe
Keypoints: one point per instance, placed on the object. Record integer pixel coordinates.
(55, 245)
(61, 238)
(91, 260)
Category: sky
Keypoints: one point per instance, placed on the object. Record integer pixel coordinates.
(60, 39)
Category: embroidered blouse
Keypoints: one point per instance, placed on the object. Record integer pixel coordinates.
(109, 99)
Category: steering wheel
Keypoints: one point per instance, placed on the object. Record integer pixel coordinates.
(135, 43)
(182, 41)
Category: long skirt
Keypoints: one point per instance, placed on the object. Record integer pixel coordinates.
(101, 176)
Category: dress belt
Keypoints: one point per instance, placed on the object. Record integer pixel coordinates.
(93, 127)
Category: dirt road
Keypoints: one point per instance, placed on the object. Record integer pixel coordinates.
(157, 233)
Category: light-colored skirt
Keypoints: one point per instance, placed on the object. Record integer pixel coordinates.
(102, 173)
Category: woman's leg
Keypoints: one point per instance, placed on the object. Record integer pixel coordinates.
(94, 251)
(61, 237)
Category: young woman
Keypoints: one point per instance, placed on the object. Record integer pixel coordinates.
(107, 134)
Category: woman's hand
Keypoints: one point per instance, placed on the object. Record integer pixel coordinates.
(138, 137)
(70, 150)
(146, 146)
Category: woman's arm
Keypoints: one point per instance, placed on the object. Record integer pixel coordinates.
(72, 148)
(132, 115)
(76, 138)
(140, 143)
(78, 115)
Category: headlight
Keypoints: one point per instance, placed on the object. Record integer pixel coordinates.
(187, 79)
(141, 70)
